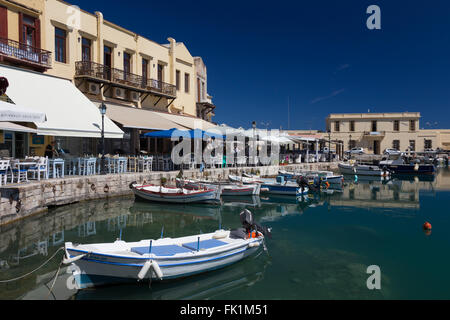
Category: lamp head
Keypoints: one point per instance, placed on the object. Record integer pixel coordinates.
(102, 109)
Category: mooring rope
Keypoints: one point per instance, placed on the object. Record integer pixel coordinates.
(27, 274)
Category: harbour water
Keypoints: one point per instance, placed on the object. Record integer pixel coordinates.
(321, 247)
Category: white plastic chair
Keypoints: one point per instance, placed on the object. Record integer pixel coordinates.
(41, 167)
(4, 167)
(22, 174)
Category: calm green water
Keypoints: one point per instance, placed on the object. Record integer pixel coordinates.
(321, 247)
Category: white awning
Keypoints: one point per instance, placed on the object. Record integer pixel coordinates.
(135, 118)
(9, 126)
(188, 122)
(69, 112)
(12, 112)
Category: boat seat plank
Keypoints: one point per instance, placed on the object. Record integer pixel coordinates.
(167, 250)
(205, 244)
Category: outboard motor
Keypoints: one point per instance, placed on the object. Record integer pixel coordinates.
(248, 225)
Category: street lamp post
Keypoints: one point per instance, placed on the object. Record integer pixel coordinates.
(102, 109)
(329, 146)
(254, 142)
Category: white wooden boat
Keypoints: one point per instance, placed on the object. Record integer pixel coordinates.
(362, 169)
(120, 261)
(227, 189)
(176, 195)
(244, 190)
(245, 180)
(328, 176)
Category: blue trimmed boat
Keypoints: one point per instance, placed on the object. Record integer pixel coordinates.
(166, 258)
(280, 186)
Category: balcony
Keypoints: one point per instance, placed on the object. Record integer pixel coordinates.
(374, 134)
(100, 73)
(23, 54)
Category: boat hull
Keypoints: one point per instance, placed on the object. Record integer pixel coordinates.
(361, 170)
(98, 269)
(283, 189)
(248, 190)
(208, 196)
(411, 169)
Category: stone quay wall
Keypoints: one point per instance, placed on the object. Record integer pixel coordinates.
(19, 201)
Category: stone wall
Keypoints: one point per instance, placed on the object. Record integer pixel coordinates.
(22, 200)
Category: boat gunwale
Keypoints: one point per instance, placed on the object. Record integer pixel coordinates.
(174, 257)
(219, 257)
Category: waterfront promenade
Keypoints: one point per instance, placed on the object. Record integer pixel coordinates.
(19, 201)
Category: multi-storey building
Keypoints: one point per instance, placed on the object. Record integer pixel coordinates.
(376, 132)
(145, 85)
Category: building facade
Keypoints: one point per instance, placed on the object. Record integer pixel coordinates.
(376, 132)
(106, 62)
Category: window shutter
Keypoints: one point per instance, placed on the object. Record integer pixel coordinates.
(37, 26)
(21, 39)
(3, 22)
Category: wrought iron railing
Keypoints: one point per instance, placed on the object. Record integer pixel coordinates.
(26, 53)
(375, 133)
(102, 72)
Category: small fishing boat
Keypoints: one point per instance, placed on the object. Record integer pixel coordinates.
(244, 190)
(175, 195)
(397, 165)
(227, 189)
(165, 258)
(329, 176)
(362, 170)
(280, 186)
(245, 180)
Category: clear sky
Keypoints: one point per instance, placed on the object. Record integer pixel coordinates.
(318, 55)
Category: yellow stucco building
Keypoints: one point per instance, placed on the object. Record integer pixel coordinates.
(108, 63)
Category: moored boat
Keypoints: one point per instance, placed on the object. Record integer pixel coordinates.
(176, 195)
(397, 165)
(227, 189)
(166, 258)
(362, 170)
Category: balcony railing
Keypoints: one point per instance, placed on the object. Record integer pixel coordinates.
(25, 53)
(104, 73)
(374, 134)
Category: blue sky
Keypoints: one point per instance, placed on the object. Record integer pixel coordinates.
(318, 55)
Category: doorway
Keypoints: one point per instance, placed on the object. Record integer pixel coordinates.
(376, 147)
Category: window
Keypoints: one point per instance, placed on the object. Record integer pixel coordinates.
(396, 125)
(86, 49)
(396, 144)
(412, 145)
(28, 31)
(144, 71)
(203, 91)
(337, 126)
(374, 126)
(352, 126)
(107, 61)
(160, 72)
(126, 63)
(186, 82)
(428, 144)
(60, 45)
(412, 125)
(178, 80)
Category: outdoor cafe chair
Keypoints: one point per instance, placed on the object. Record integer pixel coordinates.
(41, 167)
(21, 172)
(4, 167)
